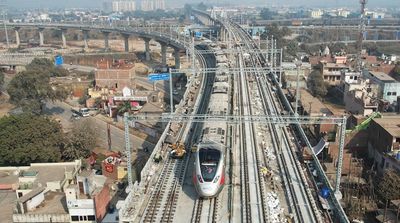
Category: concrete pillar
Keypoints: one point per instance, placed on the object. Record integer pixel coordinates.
(163, 54)
(126, 41)
(17, 38)
(147, 49)
(64, 39)
(41, 37)
(85, 39)
(106, 45)
(177, 58)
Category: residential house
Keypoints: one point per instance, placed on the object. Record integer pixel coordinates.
(389, 87)
(384, 142)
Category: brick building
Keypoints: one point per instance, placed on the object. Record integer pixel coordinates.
(384, 142)
(114, 74)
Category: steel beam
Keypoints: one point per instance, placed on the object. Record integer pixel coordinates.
(284, 119)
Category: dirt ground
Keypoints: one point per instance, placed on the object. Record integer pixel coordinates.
(5, 107)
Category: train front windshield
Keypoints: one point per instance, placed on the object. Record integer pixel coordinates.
(209, 159)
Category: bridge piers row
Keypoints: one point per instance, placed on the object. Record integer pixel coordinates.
(177, 58)
(126, 41)
(85, 38)
(147, 49)
(64, 39)
(17, 38)
(163, 54)
(41, 36)
(106, 38)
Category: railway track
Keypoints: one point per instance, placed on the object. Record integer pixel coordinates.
(206, 210)
(162, 204)
(294, 179)
(253, 191)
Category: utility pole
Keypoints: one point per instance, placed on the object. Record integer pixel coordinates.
(298, 65)
(361, 27)
(109, 136)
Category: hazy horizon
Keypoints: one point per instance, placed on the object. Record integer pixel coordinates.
(179, 3)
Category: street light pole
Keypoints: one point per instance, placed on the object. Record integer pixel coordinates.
(170, 92)
(298, 65)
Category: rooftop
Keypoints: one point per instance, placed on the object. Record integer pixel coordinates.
(54, 203)
(381, 76)
(7, 179)
(43, 172)
(391, 124)
(31, 194)
(335, 65)
(115, 65)
(52, 173)
(7, 199)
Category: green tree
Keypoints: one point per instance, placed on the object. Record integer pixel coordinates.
(45, 65)
(278, 33)
(316, 84)
(28, 138)
(31, 89)
(39, 64)
(80, 141)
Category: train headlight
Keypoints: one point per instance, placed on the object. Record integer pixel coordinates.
(216, 179)
(200, 179)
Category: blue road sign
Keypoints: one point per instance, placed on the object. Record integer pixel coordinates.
(59, 60)
(159, 77)
(198, 34)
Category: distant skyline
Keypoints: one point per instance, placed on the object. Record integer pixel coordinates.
(179, 3)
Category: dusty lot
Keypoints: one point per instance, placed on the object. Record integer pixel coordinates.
(5, 107)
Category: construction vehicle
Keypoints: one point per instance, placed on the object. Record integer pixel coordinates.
(364, 125)
(157, 157)
(177, 150)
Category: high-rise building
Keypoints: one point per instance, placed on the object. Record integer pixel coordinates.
(151, 5)
(107, 6)
(159, 4)
(123, 6)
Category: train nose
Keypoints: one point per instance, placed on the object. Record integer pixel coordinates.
(208, 190)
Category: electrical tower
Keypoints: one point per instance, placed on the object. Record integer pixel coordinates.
(361, 27)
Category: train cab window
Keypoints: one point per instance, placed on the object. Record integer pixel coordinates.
(209, 159)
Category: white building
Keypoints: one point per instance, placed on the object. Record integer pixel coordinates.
(375, 14)
(79, 209)
(159, 4)
(152, 5)
(316, 14)
(123, 6)
(343, 13)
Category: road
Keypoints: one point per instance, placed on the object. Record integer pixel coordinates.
(63, 112)
(80, 68)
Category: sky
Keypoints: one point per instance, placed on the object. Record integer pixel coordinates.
(179, 3)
